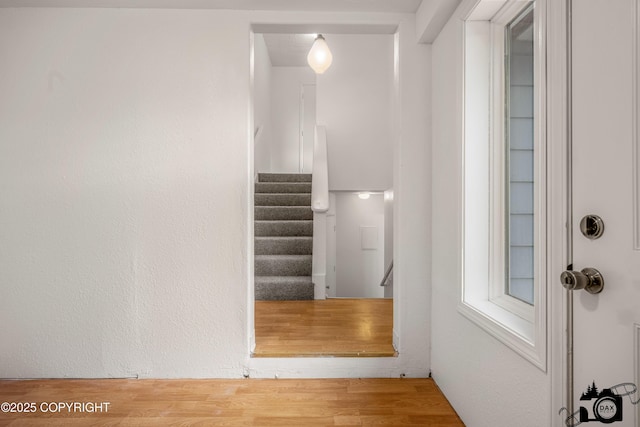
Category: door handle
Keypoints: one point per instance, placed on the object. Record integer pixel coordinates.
(588, 279)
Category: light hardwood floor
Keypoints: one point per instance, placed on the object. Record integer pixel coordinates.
(250, 402)
(332, 327)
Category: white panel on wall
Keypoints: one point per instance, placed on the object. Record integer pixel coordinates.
(368, 237)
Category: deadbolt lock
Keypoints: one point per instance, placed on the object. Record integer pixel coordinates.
(592, 226)
(588, 279)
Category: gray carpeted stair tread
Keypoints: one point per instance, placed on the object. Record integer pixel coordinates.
(283, 187)
(283, 228)
(284, 177)
(283, 213)
(283, 245)
(283, 279)
(283, 199)
(278, 288)
(283, 265)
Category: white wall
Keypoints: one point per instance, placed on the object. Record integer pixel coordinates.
(125, 163)
(487, 383)
(354, 99)
(309, 126)
(124, 196)
(262, 105)
(359, 271)
(412, 195)
(388, 238)
(286, 84)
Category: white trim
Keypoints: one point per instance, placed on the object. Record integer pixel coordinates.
(558, 207)
(252, 178)
(516, 324)
(636, 131)
(498, 161)
(411, 66)
(636, 368)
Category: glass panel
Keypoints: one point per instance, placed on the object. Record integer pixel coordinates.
(519, 106)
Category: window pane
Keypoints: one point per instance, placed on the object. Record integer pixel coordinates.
(520, 154)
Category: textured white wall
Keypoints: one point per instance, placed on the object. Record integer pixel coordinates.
(262, 105)
(125, 193)
(358, 271)
(487, 383)
(354, 102)
(286, 86)
(123, 203)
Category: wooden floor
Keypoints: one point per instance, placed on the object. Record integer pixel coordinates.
(332, 327)
(250, 402)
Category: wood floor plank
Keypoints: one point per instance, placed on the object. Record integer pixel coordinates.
(341, 327)
(248, 402)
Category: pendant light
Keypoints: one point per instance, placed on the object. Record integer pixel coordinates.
(319, 57)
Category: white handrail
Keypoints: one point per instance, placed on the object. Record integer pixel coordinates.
(320, 173)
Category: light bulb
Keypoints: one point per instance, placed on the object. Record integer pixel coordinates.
(319, 57)
(364, 196)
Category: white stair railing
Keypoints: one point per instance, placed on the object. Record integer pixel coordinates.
(320, 206)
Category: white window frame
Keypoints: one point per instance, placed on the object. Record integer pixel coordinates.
(484, 299)
(499, 245)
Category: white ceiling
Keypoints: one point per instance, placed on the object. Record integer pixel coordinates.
(394, 6)
(289, 50)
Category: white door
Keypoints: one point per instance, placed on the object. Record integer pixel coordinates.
(605, 183)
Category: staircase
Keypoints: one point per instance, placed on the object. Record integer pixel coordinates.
(283, 237)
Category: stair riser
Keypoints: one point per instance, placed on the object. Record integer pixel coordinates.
(283, 292)
(283, 177)
(284, 228)
(283, 213)
(282, 187)
(283, 267)
(293, 246)
(282, 199)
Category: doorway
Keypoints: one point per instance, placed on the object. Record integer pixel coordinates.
(357, 247)
(342, 120)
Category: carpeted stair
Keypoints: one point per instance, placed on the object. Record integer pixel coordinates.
(283, 237)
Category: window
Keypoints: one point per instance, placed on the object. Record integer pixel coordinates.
(519, 136)
(504, 175)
